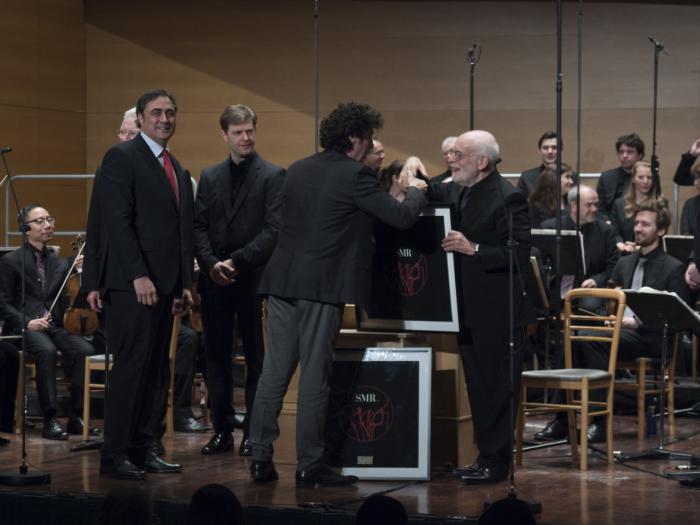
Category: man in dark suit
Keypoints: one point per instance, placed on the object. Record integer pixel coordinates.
(489, 210)
(614, 183)
(321, 261)
(547, 148)
(145, 271)
(599, 239)
(45, 336)
(237, 217)
(651, 267)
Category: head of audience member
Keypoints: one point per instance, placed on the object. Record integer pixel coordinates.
(477, 154)
(238, 125)
(381, 510)
(214, 504)
(38, 224)
(508, 511)
(349, 129)
(156, 112)
(547, 147)
(448, 153)
(544, 194)
(375, 157)
(130, 125)
(126, 506)
(651, 222)
(630, 149)
(588, 202)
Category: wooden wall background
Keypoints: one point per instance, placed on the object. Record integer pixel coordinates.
(73, 68)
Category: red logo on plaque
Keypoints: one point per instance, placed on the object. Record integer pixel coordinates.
(413, 271)
(370, 414)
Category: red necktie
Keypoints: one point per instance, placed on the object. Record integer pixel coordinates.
(170, 173)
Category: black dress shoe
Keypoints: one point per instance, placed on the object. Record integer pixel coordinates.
(121, 468)
(75, 426)
(554, 430)
(158, 465)
(219, 442)
(483, 475)
(246, 449)
(53, 430)
(596, 432)
(263, 471)
(322, 476)
(191, 426)
(464, 471)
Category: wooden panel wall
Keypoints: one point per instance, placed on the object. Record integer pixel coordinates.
(407, 59)
(42, 103)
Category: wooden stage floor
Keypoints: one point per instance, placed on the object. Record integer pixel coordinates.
(632, 493)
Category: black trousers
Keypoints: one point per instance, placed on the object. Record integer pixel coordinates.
(138, 337)
(220, 305)
(484, 353)
(9, 369)
(44, 347)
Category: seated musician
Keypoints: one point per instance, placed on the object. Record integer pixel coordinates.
(43, 276)
(651, 267)
(599, 247)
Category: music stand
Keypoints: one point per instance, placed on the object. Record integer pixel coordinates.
(663, 311)
(678, 246)
(572, 255)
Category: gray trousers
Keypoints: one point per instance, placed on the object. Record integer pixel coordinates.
(299, 332)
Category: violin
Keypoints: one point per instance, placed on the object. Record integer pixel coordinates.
(78, 318)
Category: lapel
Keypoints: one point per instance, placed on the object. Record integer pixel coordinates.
(634, 259)
(158, 172)
(249, 178)
(223, 186)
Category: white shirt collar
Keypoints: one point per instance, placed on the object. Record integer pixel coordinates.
(156, 148)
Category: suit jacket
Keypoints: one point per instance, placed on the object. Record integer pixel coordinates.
(143, 230)
(244, 230)
(599, 246)
(661, 272)
(484, 277)
(611, 185)
(38, 301)
(528, 180)
(324, 248)
(683, 177)
(94, 234)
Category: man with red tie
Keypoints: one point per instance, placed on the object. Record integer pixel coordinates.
(145, 272)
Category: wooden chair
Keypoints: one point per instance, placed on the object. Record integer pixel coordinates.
(93, 363)
(578, 382)
(646, 386)
(169, 417)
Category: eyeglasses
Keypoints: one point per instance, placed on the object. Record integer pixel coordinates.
(454, 153)
(43, 220)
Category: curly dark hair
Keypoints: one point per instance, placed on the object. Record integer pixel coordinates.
(349, 119)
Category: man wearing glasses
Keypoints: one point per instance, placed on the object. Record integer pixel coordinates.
(44, 272)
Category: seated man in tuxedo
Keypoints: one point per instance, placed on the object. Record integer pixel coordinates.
(599, 247)
(44, 272)
(651, 267)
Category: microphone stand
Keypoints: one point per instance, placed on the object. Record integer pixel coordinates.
(473, 56)
(22, 476)
(658, 47)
